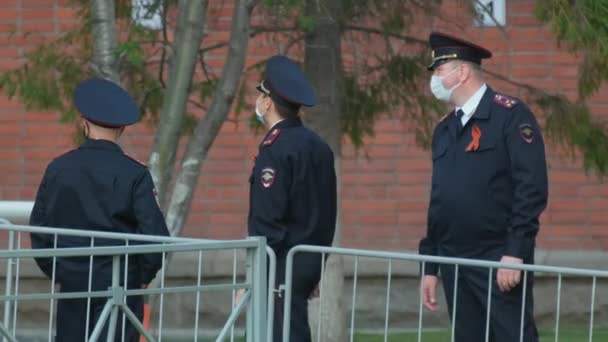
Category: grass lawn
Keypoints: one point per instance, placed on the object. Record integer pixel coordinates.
(443, 336)
(565, 335)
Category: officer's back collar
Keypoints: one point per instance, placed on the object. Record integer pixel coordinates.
(286, 123)
(100, 144)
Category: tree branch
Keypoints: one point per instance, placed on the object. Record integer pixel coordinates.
(507, 80)
(212, 47)
(208, 127)
(197, 104)
(105, 39)
(255, 30)
(191, 18)
(373, 30)
(163, 57)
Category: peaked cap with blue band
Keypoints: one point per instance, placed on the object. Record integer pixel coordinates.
(105, 103)
(446, 48)
(286, 84)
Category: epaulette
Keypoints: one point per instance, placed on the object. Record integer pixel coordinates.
(135, 160)
(505, 101)
(272, 137)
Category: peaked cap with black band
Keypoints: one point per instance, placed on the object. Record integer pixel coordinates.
(446, 48)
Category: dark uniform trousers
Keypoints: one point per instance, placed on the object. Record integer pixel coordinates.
(306, 276)
(75, 310)
(471, 306)
(72, 313)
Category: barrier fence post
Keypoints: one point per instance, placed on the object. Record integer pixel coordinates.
(256, 277)
(8, 281)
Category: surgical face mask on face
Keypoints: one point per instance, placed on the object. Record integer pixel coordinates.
(258, 113)
(439, 90)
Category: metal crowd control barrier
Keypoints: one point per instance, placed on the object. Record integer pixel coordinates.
(254, 285)
(423, 260)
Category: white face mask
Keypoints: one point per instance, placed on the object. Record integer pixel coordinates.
(258, 113)
(439, 90)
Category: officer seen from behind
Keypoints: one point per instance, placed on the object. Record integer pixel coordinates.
(97, 187)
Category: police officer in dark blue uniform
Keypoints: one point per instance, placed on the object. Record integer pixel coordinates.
(293, 187)
(489, 187)
(97, 187)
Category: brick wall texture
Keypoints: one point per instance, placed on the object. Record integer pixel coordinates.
(385, 186)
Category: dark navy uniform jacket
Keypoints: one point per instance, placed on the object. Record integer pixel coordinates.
(293, 188)
(97, 187)
(486, 202)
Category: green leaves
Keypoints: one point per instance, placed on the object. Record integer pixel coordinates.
(46, 82)
(362, 104)
(284, 4)
(307, 23)
(391, 86)
(582, 26)
(572, 126)
(133, 52)
(394, 23)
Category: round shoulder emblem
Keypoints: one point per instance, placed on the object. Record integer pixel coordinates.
(267, 177)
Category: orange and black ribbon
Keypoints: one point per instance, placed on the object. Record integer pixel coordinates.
(476, 135)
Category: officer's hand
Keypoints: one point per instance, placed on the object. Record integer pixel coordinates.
(316, 293)
(507, 279)
(429, 288)
(144, 286)
(239, 295)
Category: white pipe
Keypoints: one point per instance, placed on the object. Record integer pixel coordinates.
(17, 212)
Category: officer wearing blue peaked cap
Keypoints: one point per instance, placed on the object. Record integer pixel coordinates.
(292, 187)
(286, 84)
(98, 187)
(105, 103)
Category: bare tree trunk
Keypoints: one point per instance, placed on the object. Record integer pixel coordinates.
(105, 39)
(323, 66)
(208, 127)
(190, 27)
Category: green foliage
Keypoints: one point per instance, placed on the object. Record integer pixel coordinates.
(394, 23)
(285, 5)
(190, 121)
(572, 125)
(361, 105)
(133, 52)
(205, 89)
(47, 81)
(583, 27)
(391, 86)
(395, 15)
(307, 23)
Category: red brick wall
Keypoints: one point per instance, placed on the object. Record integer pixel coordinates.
(385, 189)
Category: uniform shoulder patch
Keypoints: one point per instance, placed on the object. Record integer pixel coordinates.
(136, 160)
(272, 137)
(505, 101)
(267, 177)
(526, 131)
